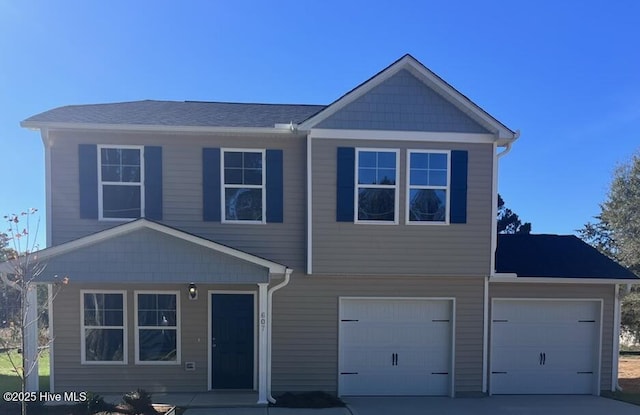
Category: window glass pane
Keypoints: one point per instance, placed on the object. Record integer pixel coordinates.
(376, 204)
(104, 345)
(113, 318)
(147, 301)
(243, 204)
(130, 174)
(111, 173)
(366, 176)
(110, 156)
(437, 178)
(427, 205)
(233, 159)
(438, 161)
(121, 201)
(130, 156)
(232, 176)
(387, 159)
(253, 176)
(112, 301)
(92, 318)
(157, 345)
(419, 160)
(386, 176)
(252, 160)
(147, 318)
(367, 159)
(166, 301)
(418, 177)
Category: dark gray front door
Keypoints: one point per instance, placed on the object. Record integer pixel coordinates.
(232, 341)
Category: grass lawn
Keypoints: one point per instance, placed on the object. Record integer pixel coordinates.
(9, 380)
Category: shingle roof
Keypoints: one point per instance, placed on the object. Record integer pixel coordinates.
(178, 113)
(556, 256)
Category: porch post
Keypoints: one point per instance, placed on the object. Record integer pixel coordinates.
(262, 344)
(30, 327)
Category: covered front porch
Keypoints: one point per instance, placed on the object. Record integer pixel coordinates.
(149, 306)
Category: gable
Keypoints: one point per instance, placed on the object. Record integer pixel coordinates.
(403, 103)
(147, 255)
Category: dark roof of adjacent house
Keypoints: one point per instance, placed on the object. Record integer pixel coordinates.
(557, 256)
(180, 113)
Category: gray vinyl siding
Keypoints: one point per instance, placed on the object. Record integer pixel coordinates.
(431, 250)
(71, 375)
(305, 326)
(182, 191)
(587, 291)
(402, 103)
(147, 255)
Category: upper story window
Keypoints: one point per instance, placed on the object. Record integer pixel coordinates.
(243, 186)
(104, 331)
(120, 182)
(428, 186)
(377, 185)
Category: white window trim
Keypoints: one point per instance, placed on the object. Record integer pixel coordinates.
(409, 186)
(125, 346)
(223, 186)
(177, 329)
(101, 183)
(396, 187)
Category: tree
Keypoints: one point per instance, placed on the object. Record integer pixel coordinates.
(509, 222)
(616, 232)
(22, 269)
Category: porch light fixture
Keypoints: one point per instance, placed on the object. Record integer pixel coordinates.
(193, 292)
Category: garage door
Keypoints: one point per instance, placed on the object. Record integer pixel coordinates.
(545, 346)
(395, 346)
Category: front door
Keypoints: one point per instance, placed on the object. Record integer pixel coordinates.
(232, 341)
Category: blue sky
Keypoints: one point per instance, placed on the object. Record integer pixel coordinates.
(565, 73)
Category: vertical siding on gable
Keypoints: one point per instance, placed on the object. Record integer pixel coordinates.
(402, 103)
(305, 326)
(604, 292)
(431, 250)
(182, 191)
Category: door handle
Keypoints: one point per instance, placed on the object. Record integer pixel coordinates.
(544, 358)
(394, 359)
(540, 361)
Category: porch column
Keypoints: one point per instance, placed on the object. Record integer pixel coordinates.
(30, 327)
(262, 344)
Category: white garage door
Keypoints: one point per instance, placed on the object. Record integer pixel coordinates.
(395, 346)
(545, 346)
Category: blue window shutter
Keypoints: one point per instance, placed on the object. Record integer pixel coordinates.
(88, 173)
(211, 184)
(274, 186)
(345, 184)
(459, 161)
(153, 182)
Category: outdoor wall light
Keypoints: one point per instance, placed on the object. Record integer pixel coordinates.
(193, 292)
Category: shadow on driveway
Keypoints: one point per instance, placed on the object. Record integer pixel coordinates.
(494, 405)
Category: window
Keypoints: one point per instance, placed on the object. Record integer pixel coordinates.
(428, 193)
(121, 178)
(157, 328)
(376, 190)
(243, 182)
(104, 336)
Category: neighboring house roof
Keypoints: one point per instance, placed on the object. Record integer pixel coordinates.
(555, 256)
(177, 113)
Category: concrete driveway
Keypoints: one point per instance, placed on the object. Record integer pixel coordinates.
(494, 405)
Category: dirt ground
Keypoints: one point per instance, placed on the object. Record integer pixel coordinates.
(629, 373)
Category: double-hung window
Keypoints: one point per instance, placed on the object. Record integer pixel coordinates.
(120, 182)
(377, 185)
(428, 186)
(243, 186)
(104, 334)
(157, 327)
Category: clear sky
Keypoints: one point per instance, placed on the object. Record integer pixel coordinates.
(565, 73)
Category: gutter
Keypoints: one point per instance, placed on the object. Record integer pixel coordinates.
(287, 277)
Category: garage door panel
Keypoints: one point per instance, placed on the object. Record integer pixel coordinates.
(544, 346)
(395, 346)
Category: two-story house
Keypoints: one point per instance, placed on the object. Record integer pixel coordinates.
(348, 248)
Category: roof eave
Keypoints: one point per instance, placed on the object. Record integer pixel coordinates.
(562, 280)
(155, 128)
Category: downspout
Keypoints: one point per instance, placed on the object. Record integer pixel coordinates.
(616, 340)
(287, 277)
